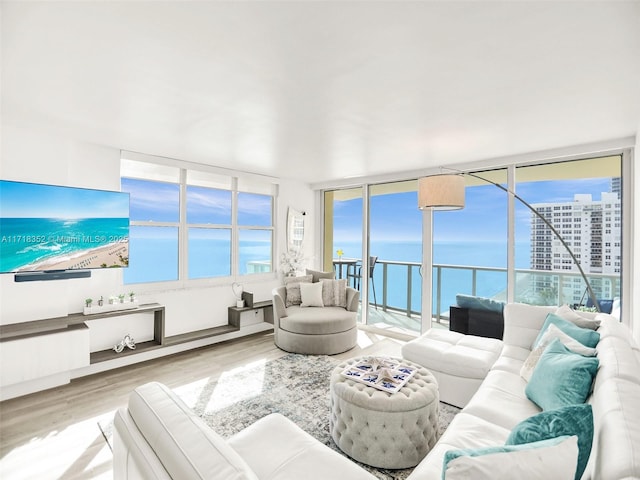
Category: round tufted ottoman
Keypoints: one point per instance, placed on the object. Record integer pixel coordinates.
(382, 429)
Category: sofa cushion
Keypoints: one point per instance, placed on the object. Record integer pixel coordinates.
(318, 321)
(277, 449)
(612, 327)
(587, 337)
(561, 377)
(317, 275)
(616, 448)
(465, 431)
(522, 323)
(552, 459)
(570, 420)
(501, 400)
(617, 360)
(292, 285)
(449, 352)
(186, 446)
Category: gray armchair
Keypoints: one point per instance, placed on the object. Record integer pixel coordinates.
(315, 330)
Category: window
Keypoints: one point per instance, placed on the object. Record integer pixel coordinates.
(209, 225)
(154, 214)
(189, 224)
(575, 186)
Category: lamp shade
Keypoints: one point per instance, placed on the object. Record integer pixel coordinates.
(441, 192)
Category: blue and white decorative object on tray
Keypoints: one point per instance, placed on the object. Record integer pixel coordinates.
(385, 374)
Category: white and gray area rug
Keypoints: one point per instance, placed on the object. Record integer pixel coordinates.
(297, 386)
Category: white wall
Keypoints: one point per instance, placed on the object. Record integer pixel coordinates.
(45, 157)
(635, 239)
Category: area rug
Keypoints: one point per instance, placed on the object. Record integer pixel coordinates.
(297, 386)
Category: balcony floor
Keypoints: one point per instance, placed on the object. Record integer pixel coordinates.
(400, 323)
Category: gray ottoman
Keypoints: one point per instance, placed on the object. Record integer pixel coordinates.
(382, 429)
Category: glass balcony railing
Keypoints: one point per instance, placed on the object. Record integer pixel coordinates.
(398, 287)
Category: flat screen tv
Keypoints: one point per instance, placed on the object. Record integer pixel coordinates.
(50, 228)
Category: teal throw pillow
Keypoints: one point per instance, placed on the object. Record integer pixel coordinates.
(571, 420)
(586, 336)
(479, 303)
(561, 377)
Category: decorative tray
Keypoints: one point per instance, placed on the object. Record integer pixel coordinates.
(384, 374)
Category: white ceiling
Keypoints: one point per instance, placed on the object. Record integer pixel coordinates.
(319, 91)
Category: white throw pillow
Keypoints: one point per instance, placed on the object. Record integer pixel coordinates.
(311, 294)
(550, 333)
(566, 312)
(292, 285)
(554, 459)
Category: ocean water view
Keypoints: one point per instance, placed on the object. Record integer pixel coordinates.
(55, 243)
(453, 281)
(211, 257)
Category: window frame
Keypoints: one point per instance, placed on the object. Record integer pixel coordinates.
(622, 147)
(183, 280)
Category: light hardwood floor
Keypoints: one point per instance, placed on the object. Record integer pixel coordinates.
(55, 434)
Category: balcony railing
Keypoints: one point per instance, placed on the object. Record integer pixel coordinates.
(398, 286)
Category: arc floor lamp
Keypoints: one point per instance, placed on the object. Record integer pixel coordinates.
(446, 192)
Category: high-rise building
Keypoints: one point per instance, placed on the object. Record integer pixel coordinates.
(592, 230)
(616, 186)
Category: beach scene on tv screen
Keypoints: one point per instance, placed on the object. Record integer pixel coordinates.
(47, 227)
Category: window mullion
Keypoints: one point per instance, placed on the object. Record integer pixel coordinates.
(235, 235)
(183, 244)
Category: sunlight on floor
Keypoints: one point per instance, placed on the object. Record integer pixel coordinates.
(233, 386)
(364, 339)
(67, 446)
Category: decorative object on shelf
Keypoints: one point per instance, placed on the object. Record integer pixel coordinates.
(238, 290)
(292, 262)
(112, 300)
(384, 374)
(248, 299)
(339, 252)
(446, 192)
(88, 302)
(121, 297)
(132, 297)
(127, 341)
(110, 307)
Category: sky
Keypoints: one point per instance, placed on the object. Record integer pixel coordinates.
(159, 202)
(32, 200)
(397, 218)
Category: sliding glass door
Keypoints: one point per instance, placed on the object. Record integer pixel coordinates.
(395, 245)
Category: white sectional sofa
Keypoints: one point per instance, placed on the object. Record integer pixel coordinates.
(501, 403)
(157, 436)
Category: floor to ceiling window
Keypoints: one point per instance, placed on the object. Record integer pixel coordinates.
(395, 251)
(342, 246)
(395, 243)
(470, 245)
(582, 200)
